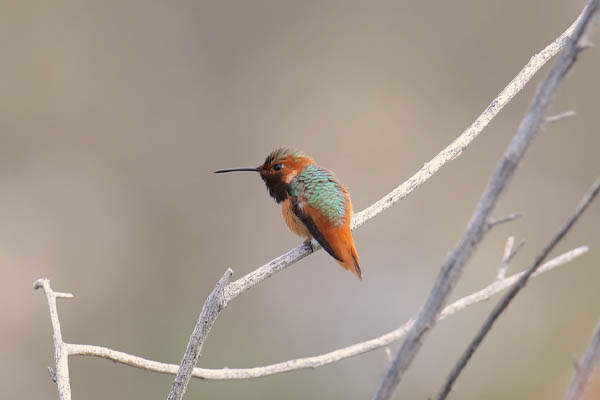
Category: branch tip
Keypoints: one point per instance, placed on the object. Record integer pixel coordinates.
(515, 251)
(511, 217)
(558, 117)
(509, 253)
(39, 284)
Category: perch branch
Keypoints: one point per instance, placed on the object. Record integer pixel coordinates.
(454, 264)
(585, 368)
(324, 359)
(213, 305)
(61, 349)
(451, 152)
(514, 290)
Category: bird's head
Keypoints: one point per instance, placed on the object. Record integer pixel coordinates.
(278, 169)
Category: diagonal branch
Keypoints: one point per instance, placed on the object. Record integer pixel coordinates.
(211, 309)
(457, 259)
(585, 368)
(514, 290)
(323, 359)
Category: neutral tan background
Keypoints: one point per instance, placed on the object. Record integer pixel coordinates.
(113, 115)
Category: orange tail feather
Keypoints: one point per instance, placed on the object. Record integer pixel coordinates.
(339, 240)
(350, 261)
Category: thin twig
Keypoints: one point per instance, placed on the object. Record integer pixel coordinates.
(509, 253)
(516, 250)
(61, 351)
(585, 368)
(511, 217)
(454, 264)
(211, 309)
(323, 359)
(508, 250)
(520, 284)
(388, 354)
(558, 117)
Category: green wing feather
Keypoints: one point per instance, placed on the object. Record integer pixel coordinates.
(322, 191)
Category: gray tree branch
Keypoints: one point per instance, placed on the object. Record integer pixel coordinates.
(477, 227)
(211, 309)
(316, 361)
(514, 290)
(61, 349)
(585, 368)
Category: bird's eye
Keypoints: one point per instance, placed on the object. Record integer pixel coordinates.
(277, 167)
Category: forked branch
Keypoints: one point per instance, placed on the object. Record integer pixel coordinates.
(316, 361)
(514, 290)
(61, 349)
(477, 227)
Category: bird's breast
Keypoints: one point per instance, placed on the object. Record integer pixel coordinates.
(292, 221)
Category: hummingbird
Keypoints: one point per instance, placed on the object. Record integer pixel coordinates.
(313, 202)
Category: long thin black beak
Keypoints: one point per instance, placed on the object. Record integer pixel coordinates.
(237, 169)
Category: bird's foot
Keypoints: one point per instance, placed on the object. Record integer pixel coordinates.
(309, 244)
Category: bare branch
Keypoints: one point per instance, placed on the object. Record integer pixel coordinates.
(324, 359)
(520, 284)
(508, 249)
(558, 117)
(506, 282)
(509, 254)
(454, 264)
(211, 309)
(585, 368)
(61, 352)
(511, 217)
(388, 354)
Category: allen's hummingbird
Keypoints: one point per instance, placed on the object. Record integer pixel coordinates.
(315, 204)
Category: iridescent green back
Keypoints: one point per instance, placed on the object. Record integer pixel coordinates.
(322, 191)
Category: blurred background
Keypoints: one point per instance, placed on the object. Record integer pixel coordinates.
(113, 115)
